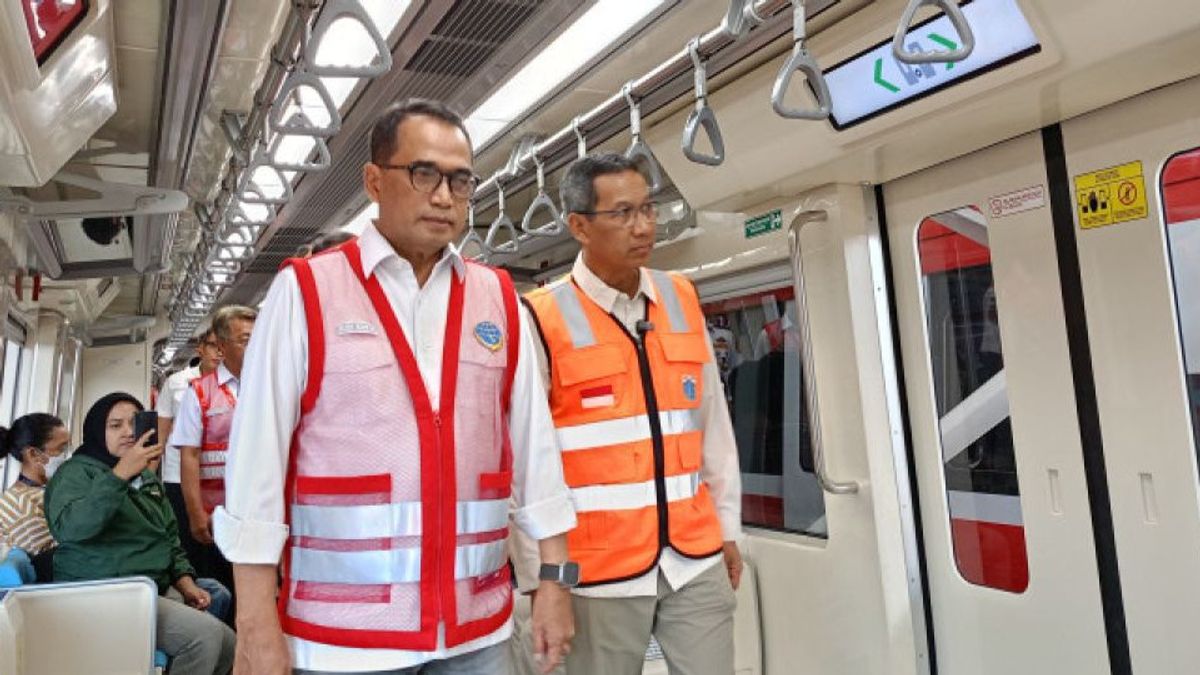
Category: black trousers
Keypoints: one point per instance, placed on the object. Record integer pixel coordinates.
(206, 558)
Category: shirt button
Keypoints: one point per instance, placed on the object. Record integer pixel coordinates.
(428, 346)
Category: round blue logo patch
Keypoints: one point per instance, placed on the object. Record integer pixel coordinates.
(489, 335)
(689, 387)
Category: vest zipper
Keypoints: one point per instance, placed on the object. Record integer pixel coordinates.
(656, 436)
(438, 581)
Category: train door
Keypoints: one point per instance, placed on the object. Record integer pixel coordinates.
(816, 418)
(1013, 576)
(1134, 181)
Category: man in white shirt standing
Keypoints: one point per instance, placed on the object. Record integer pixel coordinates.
(648, 447)
(209, 355)
(201, 433)
(390, 409)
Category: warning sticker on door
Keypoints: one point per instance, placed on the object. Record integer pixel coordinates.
(1111, 196)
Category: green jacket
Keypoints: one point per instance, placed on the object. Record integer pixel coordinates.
(105, 527)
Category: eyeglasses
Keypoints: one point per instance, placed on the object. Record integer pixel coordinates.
(624, 215)
(209, 343)
(427, 177)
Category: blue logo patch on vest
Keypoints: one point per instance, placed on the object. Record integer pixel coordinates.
(689, 387)
(489, 335)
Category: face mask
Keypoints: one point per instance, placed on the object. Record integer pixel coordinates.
(53, 463)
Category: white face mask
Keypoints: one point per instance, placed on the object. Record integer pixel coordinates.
(53, 463)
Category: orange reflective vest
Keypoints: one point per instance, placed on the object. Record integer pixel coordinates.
(626, 410)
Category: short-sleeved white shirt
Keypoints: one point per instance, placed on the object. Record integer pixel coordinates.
(168, 407)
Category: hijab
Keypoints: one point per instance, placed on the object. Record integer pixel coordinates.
(94, 426)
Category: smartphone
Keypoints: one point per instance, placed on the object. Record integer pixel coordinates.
(147, 420)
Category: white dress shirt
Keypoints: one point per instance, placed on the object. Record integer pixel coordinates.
(720, 468)
(188, 431)
(168, 406)
(250, 528)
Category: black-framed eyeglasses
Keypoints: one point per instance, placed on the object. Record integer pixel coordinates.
(209, 343)
(427, 177)
(624, 215)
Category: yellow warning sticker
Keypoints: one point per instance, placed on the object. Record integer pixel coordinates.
(1111, 196)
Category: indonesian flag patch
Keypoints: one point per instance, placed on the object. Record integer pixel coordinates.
(597, 397)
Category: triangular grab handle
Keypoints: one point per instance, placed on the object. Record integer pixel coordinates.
(502, 222)
(321, 163)
(347, 9)
(640, 153)
(543, 202)
(253, 193)
(472, 237)
(300, 123)
(702, 117)
(957, 19)
(801, 62)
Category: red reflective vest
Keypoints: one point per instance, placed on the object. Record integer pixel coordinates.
(399, 512)
(217, 404)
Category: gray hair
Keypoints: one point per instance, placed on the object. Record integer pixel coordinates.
(224, 318)
(577, 189)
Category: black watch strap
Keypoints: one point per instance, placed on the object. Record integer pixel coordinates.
(565, 574)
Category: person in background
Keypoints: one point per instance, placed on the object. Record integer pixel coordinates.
(209, 357)
(202, 434)
(110, 516)
(659, 504)
(39, 442)
(323, 243)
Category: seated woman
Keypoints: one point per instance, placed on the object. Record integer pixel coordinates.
(39, 442)
(110, 516)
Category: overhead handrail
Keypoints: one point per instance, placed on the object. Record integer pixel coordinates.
(702, 116)
(957, 19)
(807, 360)
(299, 123)
(502, 222)
(236, 215)
(801, 62)
(580, 140)
(472, 236)
(252, 192)
(347, 9)
(542, 202)
(638, 150)
(321, 163)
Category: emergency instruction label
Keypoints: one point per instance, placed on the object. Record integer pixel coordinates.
(1110, 196)
(768, 222)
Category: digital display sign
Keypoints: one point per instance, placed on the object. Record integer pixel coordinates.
(875, 82)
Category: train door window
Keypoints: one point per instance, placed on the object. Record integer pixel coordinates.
(14, 341)
(757, 349)
(979, 464)
(1181, 207)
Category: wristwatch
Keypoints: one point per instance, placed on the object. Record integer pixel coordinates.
(565, 574)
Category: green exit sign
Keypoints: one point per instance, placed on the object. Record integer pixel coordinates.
(767, 222)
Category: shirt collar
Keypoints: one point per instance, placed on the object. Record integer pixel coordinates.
(601, 293)
(223, 375)
(376, 249)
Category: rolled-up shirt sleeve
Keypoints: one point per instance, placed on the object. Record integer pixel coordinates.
(250, 527)
(542, 506)
(188, 430)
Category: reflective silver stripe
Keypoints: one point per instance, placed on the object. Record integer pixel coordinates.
(212, 472)
(670, 301)
(374, 521)
(394, 566)
(573, 315)
(632, 495)
(213, 457)
(377, 521)
(626, 429)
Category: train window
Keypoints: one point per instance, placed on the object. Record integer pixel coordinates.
(979, 465)
(1181, 207)
(13, 335)
(756, 343)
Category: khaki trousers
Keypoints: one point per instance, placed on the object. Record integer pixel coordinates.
(693, 625)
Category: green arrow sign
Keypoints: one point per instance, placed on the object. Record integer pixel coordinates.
(768, 222)
(879, 77)
(945, 42)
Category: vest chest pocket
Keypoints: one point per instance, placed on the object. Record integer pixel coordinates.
(591, 380)
(684, 355)
(358, 353)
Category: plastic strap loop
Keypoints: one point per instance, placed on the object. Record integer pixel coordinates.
(702, 116)
(334, 10)
(638, 151)
(542, 202)
(957, 19)
(801, 62)
(502, 222)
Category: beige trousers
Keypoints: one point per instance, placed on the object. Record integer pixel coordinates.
(693, 625)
